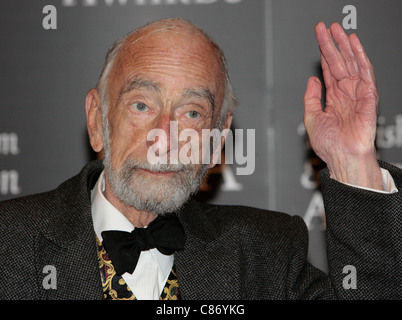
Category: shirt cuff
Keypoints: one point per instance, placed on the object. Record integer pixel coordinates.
(388, 184)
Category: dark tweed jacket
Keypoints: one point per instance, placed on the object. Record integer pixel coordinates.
(232, 252)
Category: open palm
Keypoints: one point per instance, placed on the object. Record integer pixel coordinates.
(345, 129)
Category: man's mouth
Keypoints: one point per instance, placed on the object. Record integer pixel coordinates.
(159, 173)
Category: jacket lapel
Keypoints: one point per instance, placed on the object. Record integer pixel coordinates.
(66, 253)
(66, 272)
(208, 267)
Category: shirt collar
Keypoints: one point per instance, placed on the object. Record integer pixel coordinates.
(104, 215)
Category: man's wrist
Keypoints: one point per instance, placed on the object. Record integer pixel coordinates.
(388, 184)
(362, 172)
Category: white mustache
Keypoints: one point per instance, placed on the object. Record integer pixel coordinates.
(158, 167)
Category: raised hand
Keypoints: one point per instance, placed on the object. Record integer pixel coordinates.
(343, 133)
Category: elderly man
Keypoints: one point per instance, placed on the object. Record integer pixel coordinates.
(126, 228)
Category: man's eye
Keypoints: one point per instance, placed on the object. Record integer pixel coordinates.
(192, 114)
(139, 106)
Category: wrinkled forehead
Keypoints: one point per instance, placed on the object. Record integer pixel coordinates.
(179, 43)
(184, 53)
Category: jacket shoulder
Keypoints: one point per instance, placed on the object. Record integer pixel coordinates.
(30, 214)
(25, 212)
(208, 221)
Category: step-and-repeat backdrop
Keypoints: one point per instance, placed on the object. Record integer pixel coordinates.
(52, 53)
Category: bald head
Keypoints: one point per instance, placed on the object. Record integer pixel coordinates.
(173, 25)
(166, 39)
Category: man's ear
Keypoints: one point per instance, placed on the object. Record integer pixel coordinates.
(94, 119)
(228, 121)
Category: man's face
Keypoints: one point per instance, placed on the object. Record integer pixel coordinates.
(157, 78)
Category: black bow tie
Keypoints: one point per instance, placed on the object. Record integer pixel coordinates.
(165, 233)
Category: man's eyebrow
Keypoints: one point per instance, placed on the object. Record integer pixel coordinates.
(202, 93)
(142, 83)
(139, 83)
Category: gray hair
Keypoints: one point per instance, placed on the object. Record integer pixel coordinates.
(229, 102)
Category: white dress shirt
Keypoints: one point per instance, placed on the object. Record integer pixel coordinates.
(153, 268)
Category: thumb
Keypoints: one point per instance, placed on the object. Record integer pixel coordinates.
(312, 98)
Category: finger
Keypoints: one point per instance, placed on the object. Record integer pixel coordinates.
(312, 97)
(345, 48)
(366, 71)
(326, 73)
(333, 57)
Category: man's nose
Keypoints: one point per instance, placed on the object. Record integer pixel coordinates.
(166, 139)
